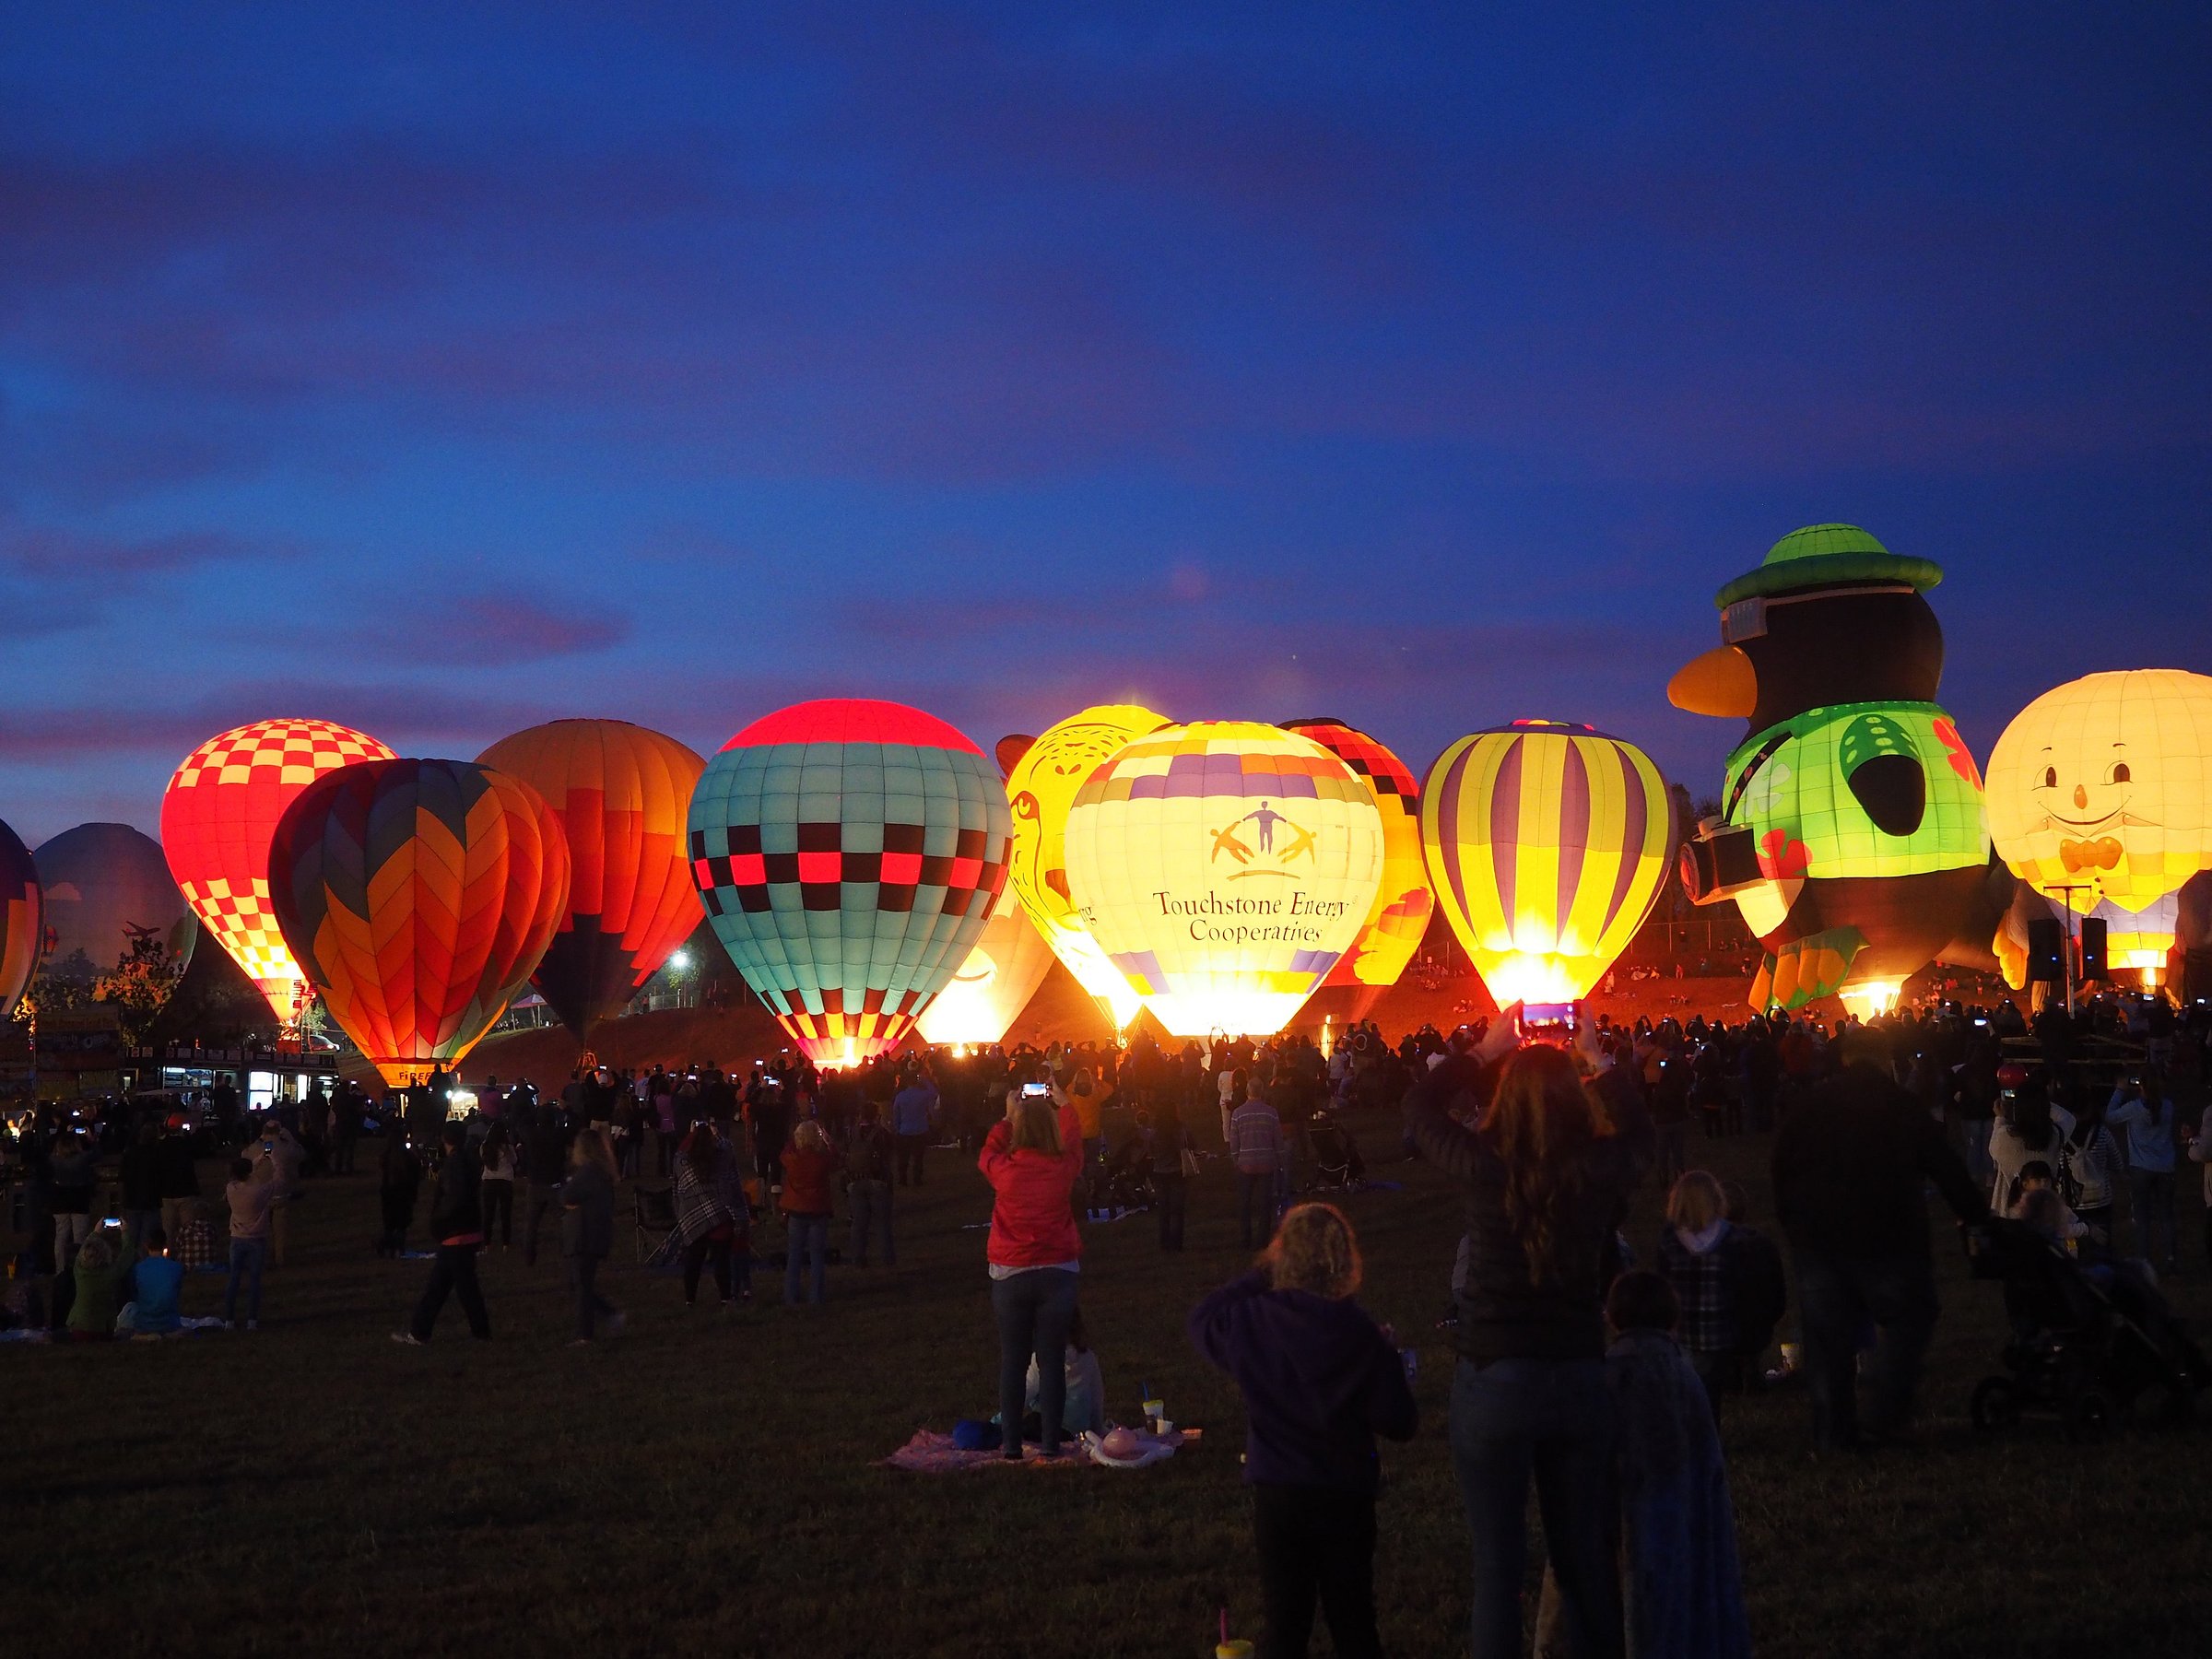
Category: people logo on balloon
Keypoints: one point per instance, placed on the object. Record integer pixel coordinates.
(1224, 866)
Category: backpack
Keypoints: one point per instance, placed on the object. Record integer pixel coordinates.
(1757, 1287)
(864, 1159)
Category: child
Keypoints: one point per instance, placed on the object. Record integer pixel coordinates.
(2051, 1218)
(1320, 1380)
(1678, 1532)
(1085, 1409)
(155, 1282)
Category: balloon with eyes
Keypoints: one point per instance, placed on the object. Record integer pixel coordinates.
(2101, 799)
(1851, 834)
(1042, 775)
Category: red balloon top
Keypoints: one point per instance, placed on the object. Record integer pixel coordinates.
(851, 720)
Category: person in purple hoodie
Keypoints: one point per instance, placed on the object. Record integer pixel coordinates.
(1320, 1380)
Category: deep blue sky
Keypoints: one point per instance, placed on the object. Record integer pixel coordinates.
(440, 371)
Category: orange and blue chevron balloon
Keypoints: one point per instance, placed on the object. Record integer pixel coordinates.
(22, 920)
(217, 817)
(1547, 844)
(849, 851)
(620, 792)
(1405, 902)
(418, 896)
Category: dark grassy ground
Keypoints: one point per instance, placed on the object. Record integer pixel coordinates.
(691, 1488)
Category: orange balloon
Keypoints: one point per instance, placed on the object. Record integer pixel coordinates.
(621, 793)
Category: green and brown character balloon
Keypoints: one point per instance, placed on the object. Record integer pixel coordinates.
(1851, 835)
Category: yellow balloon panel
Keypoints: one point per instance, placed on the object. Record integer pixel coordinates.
(1546, 844)
(1041, 786)
(2104, 785)
(1224, 866)
(994, 984)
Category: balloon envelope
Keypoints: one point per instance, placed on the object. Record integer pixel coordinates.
(107, 885)
(22, 920)
(218, 816)
(621, 793)
(848, 852)
(1405, 902)
(1548, 844)
(1224, 866)
(988, 991)
(1041, 783)
(2100, 796)
(417, 895)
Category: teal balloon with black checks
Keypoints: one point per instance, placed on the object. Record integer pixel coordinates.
(849, 854)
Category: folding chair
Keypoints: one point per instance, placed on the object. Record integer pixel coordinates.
(656, 1211)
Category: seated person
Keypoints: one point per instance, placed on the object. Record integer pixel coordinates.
(1086, 1407)
(155, 1284)
(101, 1267)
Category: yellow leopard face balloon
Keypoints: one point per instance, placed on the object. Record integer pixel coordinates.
(2104, 784)
(1042, 781)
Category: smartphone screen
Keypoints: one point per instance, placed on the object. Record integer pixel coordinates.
(1548, 1014)
(1036, 1091)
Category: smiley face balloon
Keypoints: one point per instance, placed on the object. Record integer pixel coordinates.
(2104, 785)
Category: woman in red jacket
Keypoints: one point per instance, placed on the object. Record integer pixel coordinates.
(808, 1205)
(1031, 1158)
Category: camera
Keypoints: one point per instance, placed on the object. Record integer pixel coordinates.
(1719, 861)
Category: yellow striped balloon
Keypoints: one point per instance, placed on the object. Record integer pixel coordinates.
(1547, 844)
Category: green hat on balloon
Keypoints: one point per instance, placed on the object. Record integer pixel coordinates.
(1827, 556)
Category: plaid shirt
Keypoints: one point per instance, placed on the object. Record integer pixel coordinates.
(1701, 1282)
(195, 1243)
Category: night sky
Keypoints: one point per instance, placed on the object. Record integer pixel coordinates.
(440, 371)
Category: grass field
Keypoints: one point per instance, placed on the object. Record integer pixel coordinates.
(698, 1487)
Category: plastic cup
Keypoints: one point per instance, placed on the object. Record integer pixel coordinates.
(1165, 1427)
(1152, 1410)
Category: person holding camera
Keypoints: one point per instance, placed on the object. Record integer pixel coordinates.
(1032, 1159)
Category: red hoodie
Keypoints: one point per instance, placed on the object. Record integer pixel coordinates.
(1033, 1223)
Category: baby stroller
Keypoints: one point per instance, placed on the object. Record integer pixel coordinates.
(1337, 1166)
(1125, 1183)
(2090, 1340)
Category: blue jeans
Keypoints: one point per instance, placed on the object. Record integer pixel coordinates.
(246, 1257)
(1549, 1420)
(1034, 1311)
(810, 1233)
(871, 1215)
(1836, 1297)
(2151, 1202)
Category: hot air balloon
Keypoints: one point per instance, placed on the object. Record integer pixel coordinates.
(1852, 837)
(1547, 844)
(1404, 902)
(1043, 776)
(849, 851)
(1224, 866)
(107, 888)
(2100, 798)
(22, 920)
(218, 816)
(417, 896)
(621, 793)
(988, 991)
